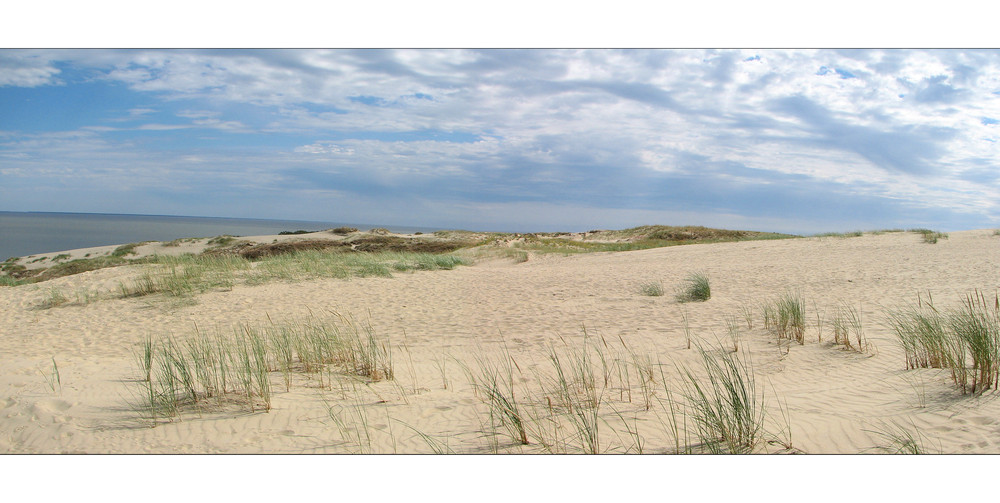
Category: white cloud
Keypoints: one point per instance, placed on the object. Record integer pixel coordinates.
(749, 116)
(25, 69)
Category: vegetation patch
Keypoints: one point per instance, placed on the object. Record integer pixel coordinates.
(786, 318)
(696, 289)
(929, 236)
(728, 410)
(129, 249)
(254, 252)
(853, 234)
(965, 340)
(343, 230)
(652, 288)
(236, 368)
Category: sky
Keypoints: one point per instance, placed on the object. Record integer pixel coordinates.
(786, 140)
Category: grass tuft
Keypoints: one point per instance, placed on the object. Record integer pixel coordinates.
(929, 236)
(651, 288)
(934, 339)
(697, 289)
(786, 317)
(727, 409)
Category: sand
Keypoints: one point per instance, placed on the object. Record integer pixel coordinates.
(833, 400)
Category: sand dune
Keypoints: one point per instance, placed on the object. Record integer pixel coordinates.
(834, 400)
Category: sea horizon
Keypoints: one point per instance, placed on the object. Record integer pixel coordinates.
(25, 233)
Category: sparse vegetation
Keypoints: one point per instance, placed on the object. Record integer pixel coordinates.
(849, 331)
(52, 379)
(178, 375)
(651, 288)
(495, 384)
(343, 230)
(697, 289)
(932, 339)
(786, 317)
(898, 439)
(853, 234)
(727, 409)
(128, 249)
(929, 236)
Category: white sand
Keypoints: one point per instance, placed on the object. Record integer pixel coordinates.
(834, 399)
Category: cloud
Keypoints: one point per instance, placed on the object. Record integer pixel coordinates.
(722, 131)
(936, 90)
(23, 69)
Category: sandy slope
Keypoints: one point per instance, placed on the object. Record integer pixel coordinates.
(834, 399)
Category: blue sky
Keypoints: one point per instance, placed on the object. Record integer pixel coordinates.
(798, 141)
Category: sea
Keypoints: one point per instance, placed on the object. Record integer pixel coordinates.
(31, 233)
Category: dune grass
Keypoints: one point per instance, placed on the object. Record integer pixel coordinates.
(651, 288)
(949, 340)
(898, 439)
(52, 378)
(785, 317)
(579, 383)
(495, 383)
(727, 408)
(695, 289)
(848, 329)
(929, 236)
(188, 275)
(237, 367)
(852, 234)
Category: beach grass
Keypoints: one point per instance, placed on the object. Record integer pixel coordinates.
(726, 406)
(930, 236)
(949, 340)
(696, 288)
(785, 317)
(848, 329)
(495, 383)
(651, 288)
(179, 374)
(188, 275)
(898, 439)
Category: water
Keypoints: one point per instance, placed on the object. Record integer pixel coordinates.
(23, 234)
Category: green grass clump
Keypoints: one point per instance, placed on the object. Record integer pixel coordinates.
(188, 275)
(696, 290)
(849, 331)
(579, 386)
(920, 330)
(929, 236)
(222, 240)
(495, 383)
(786, 317)
(9, 281)
(949, 340)
(651, 288)
(853, 234)
(727, 409)
(898, 439)
(977, 325)
(178, 375)
(127, 249)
